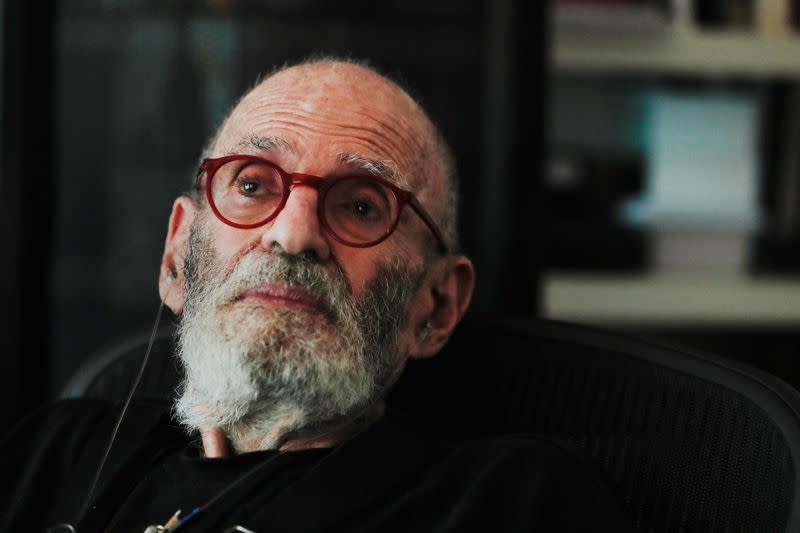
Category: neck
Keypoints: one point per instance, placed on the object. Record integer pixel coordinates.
(286, 432)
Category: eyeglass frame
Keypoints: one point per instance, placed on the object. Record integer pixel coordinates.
(210, 166)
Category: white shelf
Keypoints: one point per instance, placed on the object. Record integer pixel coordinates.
(683, 52)
(682, 300)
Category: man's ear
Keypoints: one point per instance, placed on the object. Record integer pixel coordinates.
(170, 282)
(445, 297)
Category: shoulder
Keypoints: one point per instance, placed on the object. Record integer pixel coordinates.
(487, 452)
(79, 419)
(526, 456)
(520, 482)
(59, 434)
(50, 457)
(62, 420)
(543, 481)
(63, 410)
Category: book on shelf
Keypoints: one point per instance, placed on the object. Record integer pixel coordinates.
(773, 18)
(627, 15)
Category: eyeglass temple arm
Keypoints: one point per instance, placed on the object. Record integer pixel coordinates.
(198, 179)
(426, 218)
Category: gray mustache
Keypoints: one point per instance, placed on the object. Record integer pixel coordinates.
(331, 288)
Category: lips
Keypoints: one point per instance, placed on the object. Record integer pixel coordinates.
(281, 295)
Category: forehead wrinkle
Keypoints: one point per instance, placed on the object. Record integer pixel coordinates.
(369, 138)
(396, 135)
(290, 102)
(397, 128)
(372, 135)
(290, 109)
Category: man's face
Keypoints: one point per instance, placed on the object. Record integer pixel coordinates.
(328, 121)
(283, 317)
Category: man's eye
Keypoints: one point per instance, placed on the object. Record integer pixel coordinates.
(363, 209)
(249, 188)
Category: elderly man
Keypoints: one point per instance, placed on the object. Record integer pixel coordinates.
(316, 256)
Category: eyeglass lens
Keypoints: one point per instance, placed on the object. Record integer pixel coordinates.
(355, 209)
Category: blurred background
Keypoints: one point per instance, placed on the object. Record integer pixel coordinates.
(630, 164)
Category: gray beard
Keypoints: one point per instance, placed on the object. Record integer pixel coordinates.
(267, 374)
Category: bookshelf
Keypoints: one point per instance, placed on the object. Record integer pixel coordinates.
(675, 299)
(635, 44)
(679, 52)
(663, 37)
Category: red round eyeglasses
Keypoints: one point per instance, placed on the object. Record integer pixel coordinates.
(246, 191)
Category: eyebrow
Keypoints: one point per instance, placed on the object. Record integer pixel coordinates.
(269, 143)
(374, 167)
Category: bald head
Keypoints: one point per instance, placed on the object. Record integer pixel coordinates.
(351, 105)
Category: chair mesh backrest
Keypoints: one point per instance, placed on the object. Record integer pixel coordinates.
(691, 442)
(686, 453)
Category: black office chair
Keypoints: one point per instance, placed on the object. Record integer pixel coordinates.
(691, 441)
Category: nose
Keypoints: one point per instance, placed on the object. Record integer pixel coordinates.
(296, 229)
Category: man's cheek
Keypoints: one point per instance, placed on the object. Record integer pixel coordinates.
(231, 244)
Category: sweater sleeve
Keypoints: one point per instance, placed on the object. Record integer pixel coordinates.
(47, 461)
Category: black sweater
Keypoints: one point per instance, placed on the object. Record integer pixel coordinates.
(395, 476)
